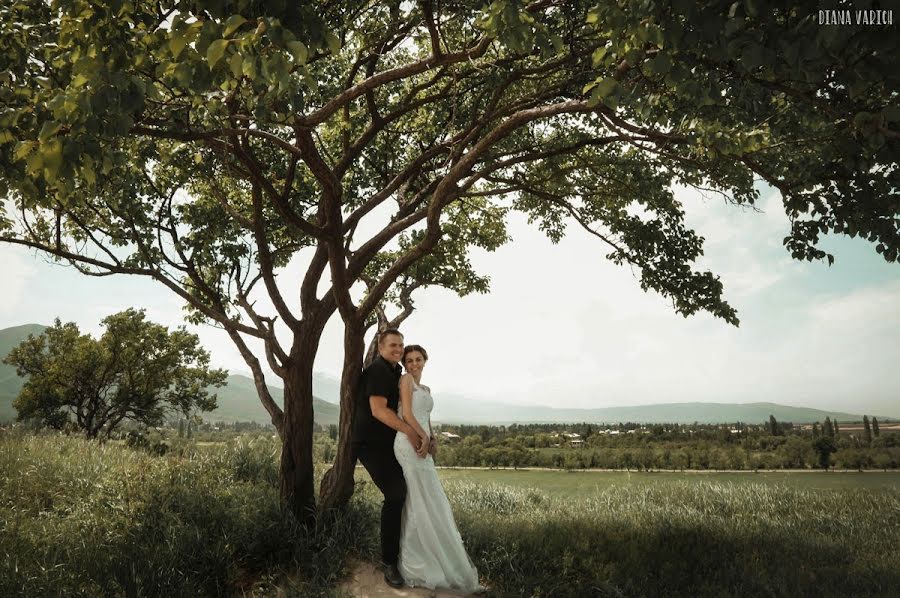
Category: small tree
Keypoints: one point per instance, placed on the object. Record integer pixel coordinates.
(137, 371)
(837, 429)
(867, 431)
(824, 448)
(815, 430)
(828, 428)
(774, 430)
(875, 431)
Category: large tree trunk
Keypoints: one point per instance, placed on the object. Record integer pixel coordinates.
(297, 478)
(337, 485)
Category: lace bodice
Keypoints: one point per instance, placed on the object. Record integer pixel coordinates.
(422, 404)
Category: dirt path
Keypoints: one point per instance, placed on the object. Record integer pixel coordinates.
(367, 581)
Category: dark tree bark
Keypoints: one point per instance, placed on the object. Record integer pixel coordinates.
(337, 485)
(297, 474)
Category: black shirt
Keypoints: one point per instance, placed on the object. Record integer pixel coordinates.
(379, 379)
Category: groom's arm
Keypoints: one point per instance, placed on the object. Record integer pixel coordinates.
(388, 417)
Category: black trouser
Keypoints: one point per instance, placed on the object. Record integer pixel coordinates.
(380, 462)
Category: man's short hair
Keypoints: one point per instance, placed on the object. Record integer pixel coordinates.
(388, 332)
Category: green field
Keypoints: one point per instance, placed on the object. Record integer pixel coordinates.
(581, 484)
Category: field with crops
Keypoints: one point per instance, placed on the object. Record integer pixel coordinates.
(78, 518)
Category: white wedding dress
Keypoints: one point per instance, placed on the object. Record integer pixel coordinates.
(432, 554)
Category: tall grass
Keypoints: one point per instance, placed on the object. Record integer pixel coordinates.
(682, 539)
(80, 518)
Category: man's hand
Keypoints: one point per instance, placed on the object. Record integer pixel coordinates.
(432, 447)
(417, 442)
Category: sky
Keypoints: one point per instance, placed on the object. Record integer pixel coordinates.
(564, 327)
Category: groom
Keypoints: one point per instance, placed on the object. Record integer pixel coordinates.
(375, 425)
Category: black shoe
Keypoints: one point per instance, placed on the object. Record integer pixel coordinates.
(392, 576)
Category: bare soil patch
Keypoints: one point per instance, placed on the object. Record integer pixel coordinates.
(367, 581)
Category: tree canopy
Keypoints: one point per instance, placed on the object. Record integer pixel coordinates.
(136, 371)
(207, 145)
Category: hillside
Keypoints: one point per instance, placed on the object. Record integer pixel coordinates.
(238, 402)
(10, 383)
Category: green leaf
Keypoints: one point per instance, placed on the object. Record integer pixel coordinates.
(22, 149)
(216, 51)
(52, 158)
(309, 79)
(233, 24)
(88, 174)
(606, 87)
(334, 44)
(298, 51)
(235, 64)
(34, 163)
(249, 67)
(597, 56)
(48, 130)
(178, 41)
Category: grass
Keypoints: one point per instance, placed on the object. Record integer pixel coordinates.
(78, 518)
(82, 519)
(583, 484)
(682, 538)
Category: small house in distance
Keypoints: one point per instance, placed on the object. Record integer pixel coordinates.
(450, 436)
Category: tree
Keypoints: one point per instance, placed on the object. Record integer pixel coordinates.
(828, 428)
(875, 431)
(773, 426)
(136, 371)
(867, 431)
(837, 429)
(207, 145)
(816, 431)
(824, 447)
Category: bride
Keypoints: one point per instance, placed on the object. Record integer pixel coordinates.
(432, 554)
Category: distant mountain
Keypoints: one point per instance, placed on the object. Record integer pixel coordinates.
(452, 409)
(238, 402)
(10, 383)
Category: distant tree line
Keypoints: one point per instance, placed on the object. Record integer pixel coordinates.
(632, 446)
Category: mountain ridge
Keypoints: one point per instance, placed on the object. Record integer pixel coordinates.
(238, 401)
